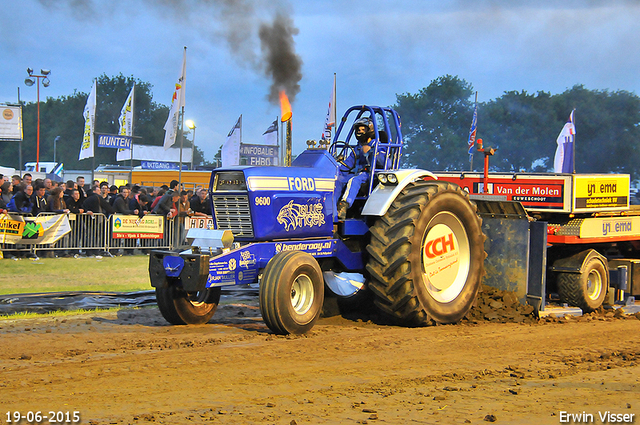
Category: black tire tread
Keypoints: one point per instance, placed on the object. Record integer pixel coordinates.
(201, 314)
(572, 290)
(270, 306)
(164, 299)
(177, 309)
(569, 288)
(268, 293)
(389, 266)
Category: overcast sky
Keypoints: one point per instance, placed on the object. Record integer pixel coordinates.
(377, 49)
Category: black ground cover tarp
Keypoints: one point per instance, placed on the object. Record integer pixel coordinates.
(55, 301)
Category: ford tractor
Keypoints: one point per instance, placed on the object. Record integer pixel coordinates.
(410, 244)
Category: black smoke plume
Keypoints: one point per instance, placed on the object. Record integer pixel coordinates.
(282, 65)
(235, 21)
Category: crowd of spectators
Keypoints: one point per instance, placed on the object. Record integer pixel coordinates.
(22, 195)
(31, 197)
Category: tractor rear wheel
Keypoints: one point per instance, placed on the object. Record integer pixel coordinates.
(179, 307)
(586, 290)
(427, 255)
(291, 292)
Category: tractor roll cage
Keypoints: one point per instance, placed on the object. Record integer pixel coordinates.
(392, 142)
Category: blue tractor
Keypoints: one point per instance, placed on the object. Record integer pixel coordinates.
(415, 242)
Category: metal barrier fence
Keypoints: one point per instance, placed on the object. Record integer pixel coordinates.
(93, 234)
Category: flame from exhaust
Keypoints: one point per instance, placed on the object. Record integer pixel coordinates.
(285, 107)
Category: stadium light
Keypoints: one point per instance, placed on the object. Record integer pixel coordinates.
(192, 125)
(29, 81)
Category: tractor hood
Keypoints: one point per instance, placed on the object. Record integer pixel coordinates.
(266, 203)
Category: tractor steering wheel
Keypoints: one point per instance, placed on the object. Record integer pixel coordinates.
(340, 151)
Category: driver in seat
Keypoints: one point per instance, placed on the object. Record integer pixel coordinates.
(361, 164)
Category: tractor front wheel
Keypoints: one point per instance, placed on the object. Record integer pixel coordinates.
(179, 307)
(291, 292)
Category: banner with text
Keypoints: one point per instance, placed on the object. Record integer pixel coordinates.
(113, 141)
(258, 154)
(134, 227)
(159, 165)
(16, 229)
(11, 123)
(198, 222)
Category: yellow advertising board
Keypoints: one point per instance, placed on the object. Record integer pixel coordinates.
(9, 226)
(600, 192)
(134, 227)
(607, 227)
(47, 229)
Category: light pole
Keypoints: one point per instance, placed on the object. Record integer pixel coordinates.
(192, 126)
(29, 81)
(55, 141)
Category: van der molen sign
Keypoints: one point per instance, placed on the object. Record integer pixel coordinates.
(113, 141)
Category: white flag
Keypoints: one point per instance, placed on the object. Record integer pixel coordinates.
(330, 121)
(231, 148)
(86, 150)
(126, 115)
(563, 161)
(177, 103)
(270, 137)
(126, 120)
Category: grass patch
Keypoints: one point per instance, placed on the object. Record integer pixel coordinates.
(117, 274)
(62, 313)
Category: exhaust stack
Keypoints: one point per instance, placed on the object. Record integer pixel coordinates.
(285, 108)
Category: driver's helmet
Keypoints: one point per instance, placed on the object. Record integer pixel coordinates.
(363, 129)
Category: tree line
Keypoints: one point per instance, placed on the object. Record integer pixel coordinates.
(62, 117)
(522, 126)
(435, 124)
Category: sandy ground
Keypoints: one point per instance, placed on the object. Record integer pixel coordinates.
(131, 367)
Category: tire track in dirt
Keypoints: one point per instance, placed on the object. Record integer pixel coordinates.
(130, 367)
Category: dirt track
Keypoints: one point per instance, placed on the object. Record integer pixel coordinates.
(132, 367)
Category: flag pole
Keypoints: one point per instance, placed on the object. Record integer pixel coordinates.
(335, 106)
(471, 147)
(133, 111)
(573, 118)
(20, 142)
(181, 135)
(182, 95)
(93, 155)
